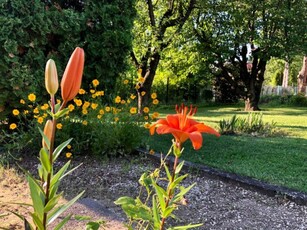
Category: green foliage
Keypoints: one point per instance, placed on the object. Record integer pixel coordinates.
(33, 33)
(150, 210)
(253, 125)
(289, 100)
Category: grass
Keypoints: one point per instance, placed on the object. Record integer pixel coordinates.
(278, 160)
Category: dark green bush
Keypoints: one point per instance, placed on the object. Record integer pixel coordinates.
(31, 33)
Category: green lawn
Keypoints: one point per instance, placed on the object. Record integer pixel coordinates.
(278, 160)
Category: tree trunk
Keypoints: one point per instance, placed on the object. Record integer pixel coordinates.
(285, 78)
(302, 77)
(256, 80)
(148, 73)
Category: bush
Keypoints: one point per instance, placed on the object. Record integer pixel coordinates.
(252, 125)
(98, 124)
(33, 33)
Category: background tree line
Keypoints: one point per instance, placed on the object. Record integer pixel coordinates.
(180, 46)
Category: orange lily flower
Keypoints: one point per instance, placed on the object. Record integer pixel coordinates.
(183, 127)
(71, 81)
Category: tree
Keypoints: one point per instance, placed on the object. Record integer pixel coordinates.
(302, 77)
(239, 37)
(30, 34)
(155, 29)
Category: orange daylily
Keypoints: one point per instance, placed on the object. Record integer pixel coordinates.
(183, 127)
(71, 81)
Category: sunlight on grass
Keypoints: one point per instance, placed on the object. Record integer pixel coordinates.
(280, 160)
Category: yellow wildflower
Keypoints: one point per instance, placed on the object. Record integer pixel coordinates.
(141, 79)
(58, 101)
(151, 152)
(153, 95)
(155, 115)
(84, 111)
(22, 101)
(155, 101)
(68, 155)
(86, 105)
(146, 118)
(118, 99)
(82, 91)
(99, 116)
(133, 110)
(132, 96)
(116, 119)
(143, 93)
(68, 146)
(146, 110)
(126, 82)
(92, 91)
(101, 112)
(71, 107)
(36, 110)
(59, 126)
(32, 97)
(146, 125)
(108, 109)
(40, 120)
(13, 126)
(84, 122)
(94, 105)
(123, 102)
(78, 102)
(25, 111)
(15, 112)
(95, 82)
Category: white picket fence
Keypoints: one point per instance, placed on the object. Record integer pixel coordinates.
(279, 90)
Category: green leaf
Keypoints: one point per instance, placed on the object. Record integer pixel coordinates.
(60, 113)
(37, 221)
(80, 218)
(52, 216)
(185, 227)
(37, 199)
(125, 200)
(52, 202)
(177, 181)
(27, 225)
(59, 149)
(167, 172)
(168, 211)
(45, 138)
(92, 226)
(59, 174)
(161, 193)
(182, 192)
(63, 222)
(44, 159)
(156, 214)
(179, 167)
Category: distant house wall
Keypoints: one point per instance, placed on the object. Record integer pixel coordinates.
(279, 90)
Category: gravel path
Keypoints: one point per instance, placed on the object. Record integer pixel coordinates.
(217, 204)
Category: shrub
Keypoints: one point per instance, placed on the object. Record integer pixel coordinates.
(98, 124)
(253, 125)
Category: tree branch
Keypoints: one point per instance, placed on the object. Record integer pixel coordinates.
(151, 13)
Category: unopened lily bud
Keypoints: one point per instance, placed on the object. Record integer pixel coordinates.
(72, 77)
(51, 77)
(48, 132)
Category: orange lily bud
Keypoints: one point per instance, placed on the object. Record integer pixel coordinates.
(71, 81)
(51, 77)
(48, 132)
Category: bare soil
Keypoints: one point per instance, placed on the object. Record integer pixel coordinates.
(216, 204)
